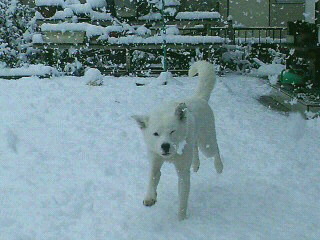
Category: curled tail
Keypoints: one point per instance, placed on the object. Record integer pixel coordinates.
(207, 78)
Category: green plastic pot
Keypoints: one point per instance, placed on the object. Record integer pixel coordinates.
(291, 76)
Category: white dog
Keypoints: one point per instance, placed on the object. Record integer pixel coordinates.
(175, 131)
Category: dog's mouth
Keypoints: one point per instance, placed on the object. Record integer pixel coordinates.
(166, 154)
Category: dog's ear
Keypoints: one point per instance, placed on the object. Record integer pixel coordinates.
(193, 70)
(181, 111)
(141, 120)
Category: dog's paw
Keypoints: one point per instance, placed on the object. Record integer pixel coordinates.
(149, 202)
(195, 168)
(218, 165)
(182, 216)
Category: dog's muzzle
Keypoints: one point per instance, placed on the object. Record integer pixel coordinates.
(165, 148)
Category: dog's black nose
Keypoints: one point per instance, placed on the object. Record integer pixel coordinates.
(165, 147)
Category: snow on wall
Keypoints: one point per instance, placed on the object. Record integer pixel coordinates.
(197, 15)
(184, 16)
(37, 38)
(94, 15)
(68, 13)
(151, 16)
(91, 30)
(172, 30)
(91, 3)
(49, 2)
(159, 39)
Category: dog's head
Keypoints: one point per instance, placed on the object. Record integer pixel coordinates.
(164, 130)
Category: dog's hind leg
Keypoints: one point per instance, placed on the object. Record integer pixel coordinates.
(196, 160)
(209, 146)
(154, 178)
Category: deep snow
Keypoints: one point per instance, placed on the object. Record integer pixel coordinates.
(73, 165)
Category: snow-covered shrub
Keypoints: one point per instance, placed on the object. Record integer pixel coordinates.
(16, 27)
(143, 31)
(97, 3)
(73, 68)
(141, 61)
(170, 6)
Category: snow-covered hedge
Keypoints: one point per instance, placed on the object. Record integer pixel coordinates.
(15, 33)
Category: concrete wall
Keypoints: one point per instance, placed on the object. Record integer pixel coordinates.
(251, 13)
(261, 13)
(198, 5)
(282, 13)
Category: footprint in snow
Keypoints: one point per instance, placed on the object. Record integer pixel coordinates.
(12, 140)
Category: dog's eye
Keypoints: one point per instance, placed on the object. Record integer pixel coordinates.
(172, 131)
(156, 134)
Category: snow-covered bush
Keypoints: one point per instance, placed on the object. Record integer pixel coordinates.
(16, 26)
(170, 6)
(167, 3)
(143, 31)
(141, 61)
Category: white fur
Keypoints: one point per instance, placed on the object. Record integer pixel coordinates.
(185, 126)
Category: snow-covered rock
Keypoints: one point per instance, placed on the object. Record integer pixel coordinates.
(94, 77)
(165, 78)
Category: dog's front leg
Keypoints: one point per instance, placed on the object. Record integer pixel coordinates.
(196, 160)
(154, 177)
(183, 190)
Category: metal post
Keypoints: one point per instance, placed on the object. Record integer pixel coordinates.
(128, 61)
(164, 44)
(230, 30)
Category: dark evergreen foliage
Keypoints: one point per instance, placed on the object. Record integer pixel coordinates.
(16, 27)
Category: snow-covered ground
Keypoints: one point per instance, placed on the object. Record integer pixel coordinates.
(73, 165)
